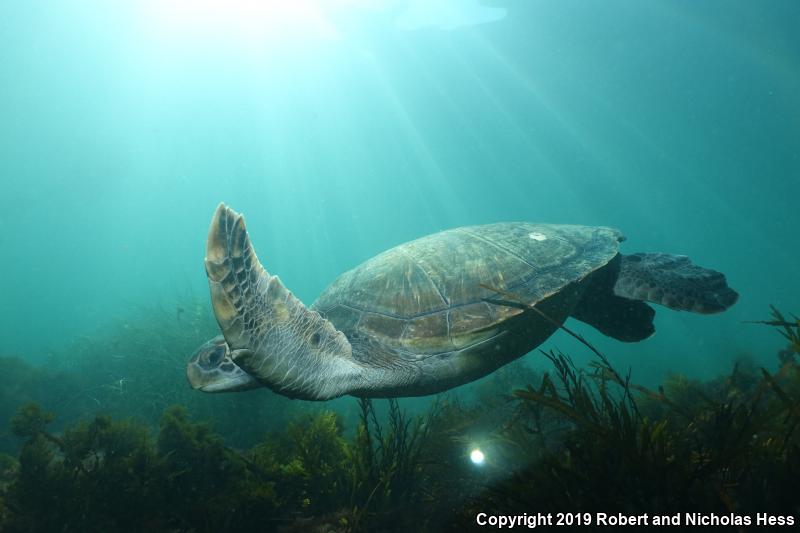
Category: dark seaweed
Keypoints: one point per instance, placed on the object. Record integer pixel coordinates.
(570, 440)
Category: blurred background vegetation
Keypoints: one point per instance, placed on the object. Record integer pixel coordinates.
(117, 441)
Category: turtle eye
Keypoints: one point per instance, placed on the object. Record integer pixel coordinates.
(216, 356)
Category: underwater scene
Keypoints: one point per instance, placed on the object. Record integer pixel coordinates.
(399, 265)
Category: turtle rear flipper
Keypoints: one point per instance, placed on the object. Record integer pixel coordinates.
(618, 317)
(272, 335)
(675, 282)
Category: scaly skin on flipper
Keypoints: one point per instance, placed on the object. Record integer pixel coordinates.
(675, 282)
(273, 336)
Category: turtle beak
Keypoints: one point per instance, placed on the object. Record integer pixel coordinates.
(211, 369)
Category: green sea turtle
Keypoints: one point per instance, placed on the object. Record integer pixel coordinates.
(426, 316)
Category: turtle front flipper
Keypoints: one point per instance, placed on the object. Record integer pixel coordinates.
(272, 335)
(675, 282)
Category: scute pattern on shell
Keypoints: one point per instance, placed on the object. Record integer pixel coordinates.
(426, 296)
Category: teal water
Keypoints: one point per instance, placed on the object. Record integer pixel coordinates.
(342, 128)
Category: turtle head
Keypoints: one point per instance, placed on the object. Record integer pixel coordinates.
(211, 369)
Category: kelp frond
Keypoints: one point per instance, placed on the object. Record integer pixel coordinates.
(728, 445)
(386, 458)
(584, 399)
(789, 329)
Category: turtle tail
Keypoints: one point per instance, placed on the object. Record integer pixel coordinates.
(675, 282)
(273, 336)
